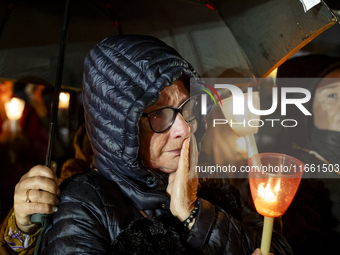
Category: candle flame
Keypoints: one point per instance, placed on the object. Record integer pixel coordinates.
(267, 194)
(64, 100)
(63, 97)
(14, 108)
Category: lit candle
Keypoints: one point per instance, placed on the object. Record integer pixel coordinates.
(64, 100)
(14, 109)
(63, 115)
(267, 204)
(272, 191)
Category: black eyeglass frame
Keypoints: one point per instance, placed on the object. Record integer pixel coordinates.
(176, 110)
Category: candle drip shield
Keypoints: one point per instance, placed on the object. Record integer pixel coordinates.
(274, 179)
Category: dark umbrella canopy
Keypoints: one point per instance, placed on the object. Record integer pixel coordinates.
(30, 38)
(223, 38)
(270, 32)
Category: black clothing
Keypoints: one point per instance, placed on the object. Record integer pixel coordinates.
(123, 76)
(327, 143)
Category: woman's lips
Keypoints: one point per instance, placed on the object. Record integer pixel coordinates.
(177, 151)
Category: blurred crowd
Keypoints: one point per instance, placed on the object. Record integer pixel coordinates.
(24, 133)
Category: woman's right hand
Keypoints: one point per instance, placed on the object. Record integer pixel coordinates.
(42, 184)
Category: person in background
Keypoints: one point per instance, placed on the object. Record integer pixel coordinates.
(311, 223)
(30, 126)
(21, 150)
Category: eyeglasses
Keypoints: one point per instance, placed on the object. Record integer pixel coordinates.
(162, 119)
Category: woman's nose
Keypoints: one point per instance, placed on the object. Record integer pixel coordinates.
(180, 127)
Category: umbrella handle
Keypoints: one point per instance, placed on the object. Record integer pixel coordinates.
(58, 80)
(46, 219)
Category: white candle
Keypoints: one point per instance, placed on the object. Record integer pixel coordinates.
(267, 235)
(64, 100)
(240, 123)
(14, 109)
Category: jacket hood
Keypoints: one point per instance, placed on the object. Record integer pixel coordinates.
(123, 75)
(310, 66)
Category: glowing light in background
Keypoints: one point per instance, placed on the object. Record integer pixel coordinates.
(14, 108)
(64, 100)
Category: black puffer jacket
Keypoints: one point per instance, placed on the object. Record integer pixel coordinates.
(123, 76)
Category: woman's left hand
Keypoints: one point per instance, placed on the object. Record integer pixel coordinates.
(182, 187)
(36, 192)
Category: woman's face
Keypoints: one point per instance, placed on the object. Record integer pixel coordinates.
(162, 150)
(326, 104)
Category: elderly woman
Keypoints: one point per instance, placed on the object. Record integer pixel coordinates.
(139, 198)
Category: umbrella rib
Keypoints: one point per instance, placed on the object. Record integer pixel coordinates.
(337, 19)
(58, 80)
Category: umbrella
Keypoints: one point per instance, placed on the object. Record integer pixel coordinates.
(220, 38)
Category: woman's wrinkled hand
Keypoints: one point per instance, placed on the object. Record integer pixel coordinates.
(41, 186)
(182, 187)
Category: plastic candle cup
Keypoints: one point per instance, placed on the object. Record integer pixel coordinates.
(274, 179)
(246, 124)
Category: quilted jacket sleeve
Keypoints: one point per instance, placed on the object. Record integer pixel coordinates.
(216, 232)
(79, 224)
